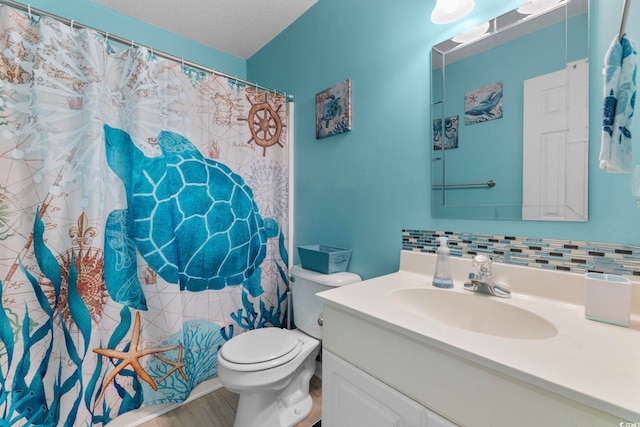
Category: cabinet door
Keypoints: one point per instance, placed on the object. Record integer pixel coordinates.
(351, 397)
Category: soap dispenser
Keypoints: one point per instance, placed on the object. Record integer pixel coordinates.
(442, 277)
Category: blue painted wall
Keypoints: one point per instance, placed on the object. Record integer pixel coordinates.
(361, 188)
(105, 19)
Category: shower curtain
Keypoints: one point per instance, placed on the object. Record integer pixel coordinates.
(143, 222)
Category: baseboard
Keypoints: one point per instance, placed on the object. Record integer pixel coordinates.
(146, 413)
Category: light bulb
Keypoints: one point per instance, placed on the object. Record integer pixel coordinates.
(447, 11)
(472, 34)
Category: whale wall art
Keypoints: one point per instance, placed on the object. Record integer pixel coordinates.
(483, 104)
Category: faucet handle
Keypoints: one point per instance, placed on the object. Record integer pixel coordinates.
(482, 265)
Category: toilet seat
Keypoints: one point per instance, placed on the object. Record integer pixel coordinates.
(261, 349)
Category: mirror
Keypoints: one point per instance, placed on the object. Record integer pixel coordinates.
(509, 108)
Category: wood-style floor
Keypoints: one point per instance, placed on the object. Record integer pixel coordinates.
(218, 409)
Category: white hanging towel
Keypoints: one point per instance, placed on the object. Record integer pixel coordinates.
(620, 67)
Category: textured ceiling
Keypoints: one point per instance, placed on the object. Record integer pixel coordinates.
(236, 27)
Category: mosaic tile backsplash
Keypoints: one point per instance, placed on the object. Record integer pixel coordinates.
(553, 254)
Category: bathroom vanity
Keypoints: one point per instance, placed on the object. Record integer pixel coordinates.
(400, 352)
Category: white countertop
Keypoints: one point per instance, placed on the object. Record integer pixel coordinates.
(594, 363)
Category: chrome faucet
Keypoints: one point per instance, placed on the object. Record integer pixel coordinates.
(481, 280)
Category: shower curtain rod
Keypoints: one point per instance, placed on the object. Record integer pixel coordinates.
(31, 10)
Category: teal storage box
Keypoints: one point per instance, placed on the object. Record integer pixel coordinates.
(324, 259)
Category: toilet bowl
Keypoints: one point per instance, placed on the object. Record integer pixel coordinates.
(270, 368)
(273, 391)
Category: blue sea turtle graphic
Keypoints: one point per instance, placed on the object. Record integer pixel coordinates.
(331, 110)
(609, 112)
(192, 219)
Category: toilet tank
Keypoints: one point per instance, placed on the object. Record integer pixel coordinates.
(307, 308)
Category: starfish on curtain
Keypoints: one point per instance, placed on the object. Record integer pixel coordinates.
(131, 357)
(178, 365)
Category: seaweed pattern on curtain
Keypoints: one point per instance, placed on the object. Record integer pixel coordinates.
(143, 222)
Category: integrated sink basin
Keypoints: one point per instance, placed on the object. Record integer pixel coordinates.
(473, 312)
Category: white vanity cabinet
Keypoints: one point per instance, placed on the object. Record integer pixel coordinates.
(351, 397)
(390, 363)
(460, 389)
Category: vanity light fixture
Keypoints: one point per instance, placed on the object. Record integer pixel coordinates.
(539, 6)
(472, 34)
(447, 11)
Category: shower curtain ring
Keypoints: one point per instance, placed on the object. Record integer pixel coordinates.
(29, 11)
(151, 47)
(71, 24)
(132, 44)
(106, 37)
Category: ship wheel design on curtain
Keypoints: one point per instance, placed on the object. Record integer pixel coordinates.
(265, 124)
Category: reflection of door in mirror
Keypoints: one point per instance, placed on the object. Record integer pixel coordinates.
(555, 145)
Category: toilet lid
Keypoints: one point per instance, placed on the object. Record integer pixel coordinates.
(260, 345)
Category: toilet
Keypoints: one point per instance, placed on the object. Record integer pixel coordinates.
(270, 368)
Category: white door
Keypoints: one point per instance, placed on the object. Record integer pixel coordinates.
(556, 145)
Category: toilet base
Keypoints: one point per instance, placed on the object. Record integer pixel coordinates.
(271, 414)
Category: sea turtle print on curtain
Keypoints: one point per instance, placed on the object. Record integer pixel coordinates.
(193, 220)
(142, 224)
